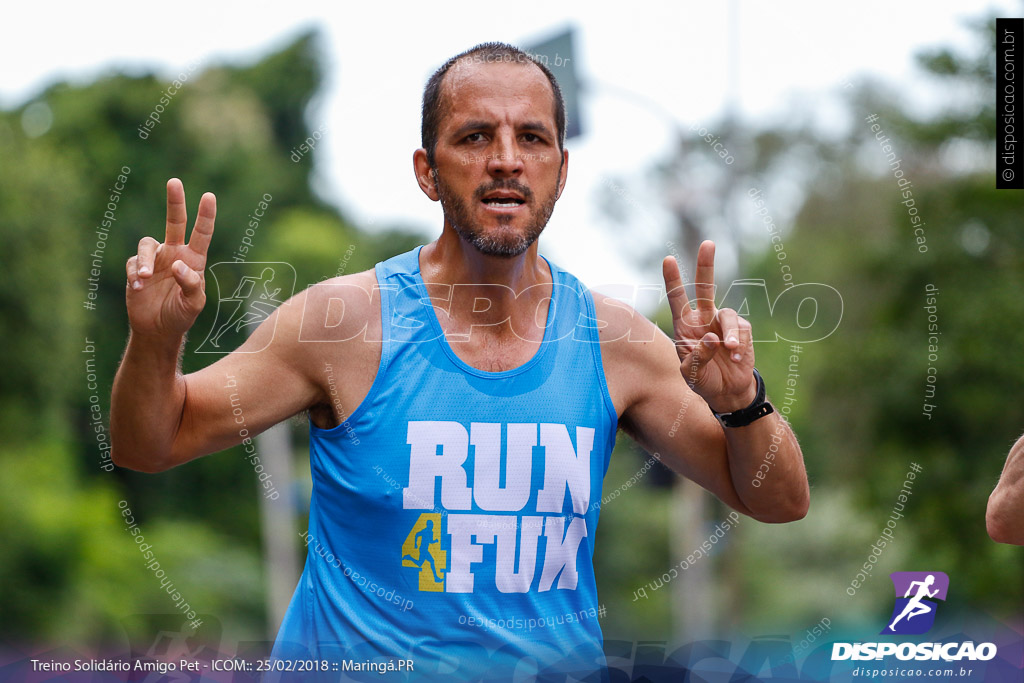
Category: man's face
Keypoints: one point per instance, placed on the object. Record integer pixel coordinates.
(499, 170)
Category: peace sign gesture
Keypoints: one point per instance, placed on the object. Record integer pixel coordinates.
(166, 289)
(715, 346)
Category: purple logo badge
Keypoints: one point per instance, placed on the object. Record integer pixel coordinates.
(916, 593)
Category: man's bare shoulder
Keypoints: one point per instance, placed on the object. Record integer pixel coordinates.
(634, 352)
(330, 320)
(331, 331)
(339, 309)
(626, 334)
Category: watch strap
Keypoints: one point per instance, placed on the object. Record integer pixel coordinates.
(755, 411)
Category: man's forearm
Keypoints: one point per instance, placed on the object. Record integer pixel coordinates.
(767, 469)
(146, 404)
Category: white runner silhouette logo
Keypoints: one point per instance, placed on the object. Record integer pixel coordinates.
(916, 595)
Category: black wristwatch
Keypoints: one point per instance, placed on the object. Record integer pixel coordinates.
(755, 411)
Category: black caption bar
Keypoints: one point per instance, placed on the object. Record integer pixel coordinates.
(1009, 128)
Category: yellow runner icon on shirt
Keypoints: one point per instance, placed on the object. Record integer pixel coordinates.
(422, 550)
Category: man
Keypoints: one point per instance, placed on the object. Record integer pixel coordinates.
(1004, 517)
(485, 380)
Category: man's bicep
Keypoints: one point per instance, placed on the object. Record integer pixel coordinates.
(248, 391)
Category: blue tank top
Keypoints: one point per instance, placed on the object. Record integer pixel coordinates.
(454, 513)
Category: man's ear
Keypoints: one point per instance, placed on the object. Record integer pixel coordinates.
(563, 174)
(426, 177)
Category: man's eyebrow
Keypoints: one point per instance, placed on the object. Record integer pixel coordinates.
(480, 124)
(470, 126)
(535, 126)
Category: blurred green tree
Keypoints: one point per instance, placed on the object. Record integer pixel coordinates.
(230, 130)
(860, 393)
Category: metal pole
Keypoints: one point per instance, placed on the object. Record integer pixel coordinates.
(277, 522)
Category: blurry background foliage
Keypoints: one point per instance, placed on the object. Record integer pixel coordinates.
(231, 129)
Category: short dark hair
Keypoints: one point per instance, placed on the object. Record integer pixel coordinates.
(433, 110)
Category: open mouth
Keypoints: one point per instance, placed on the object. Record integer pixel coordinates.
(503, 202)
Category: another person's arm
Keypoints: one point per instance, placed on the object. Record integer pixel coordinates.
(1004, 517)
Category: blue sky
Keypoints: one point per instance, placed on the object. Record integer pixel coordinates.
(681, 56)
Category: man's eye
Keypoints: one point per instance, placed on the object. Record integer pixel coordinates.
(530, 137)
(474, 137)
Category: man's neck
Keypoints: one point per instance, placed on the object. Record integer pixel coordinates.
(510, 284)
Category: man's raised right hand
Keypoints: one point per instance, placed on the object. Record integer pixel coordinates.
(166, 287)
